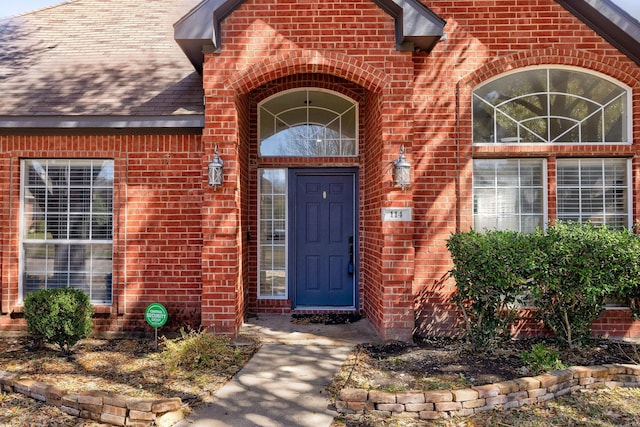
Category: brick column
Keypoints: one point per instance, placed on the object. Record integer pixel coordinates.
(221, 222)
(397, 260)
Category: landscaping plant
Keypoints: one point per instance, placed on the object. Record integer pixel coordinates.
(491, 271)
(58, 316)
(541, 359)
(629, 266)
(569, 270)
(578, 266)
(198, 349)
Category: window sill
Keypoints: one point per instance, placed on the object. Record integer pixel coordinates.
(97, 309)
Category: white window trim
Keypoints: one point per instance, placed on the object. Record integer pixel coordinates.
(629, 182)
(545, 189)
(629, 96)
(286, 244)
(311, 89)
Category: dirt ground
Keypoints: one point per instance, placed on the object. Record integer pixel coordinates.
(133, 367)
(442, 363)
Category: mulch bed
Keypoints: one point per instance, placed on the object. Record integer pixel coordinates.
(441, 363)
(325, 318)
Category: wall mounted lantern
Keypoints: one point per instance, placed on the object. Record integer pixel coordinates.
(215, 170)
(401, 171)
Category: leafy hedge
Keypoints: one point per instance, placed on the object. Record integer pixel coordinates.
(568, 270)
(59, 316)
(491, 271)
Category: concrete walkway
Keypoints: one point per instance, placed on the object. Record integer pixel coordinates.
(284, 382)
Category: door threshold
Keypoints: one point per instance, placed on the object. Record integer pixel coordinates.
(305, 308)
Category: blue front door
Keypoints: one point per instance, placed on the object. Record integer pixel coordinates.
(323, 249)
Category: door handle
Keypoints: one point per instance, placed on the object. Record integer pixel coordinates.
(350, 265)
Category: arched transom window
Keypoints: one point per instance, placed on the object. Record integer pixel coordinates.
(308, 123)
(551, 105)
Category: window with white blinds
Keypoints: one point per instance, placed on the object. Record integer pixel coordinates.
(508, 194)
(67, 226)
(594, 190)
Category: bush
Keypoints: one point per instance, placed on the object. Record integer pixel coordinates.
(58, 316)
(569, 270)
(577, 268)
(199, 350)
(629, 273)
(491, 271)
(541, 359)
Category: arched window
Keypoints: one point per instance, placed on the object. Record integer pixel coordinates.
(308, 123)
(551, 105)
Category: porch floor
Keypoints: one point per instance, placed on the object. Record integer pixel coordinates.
(278, 328)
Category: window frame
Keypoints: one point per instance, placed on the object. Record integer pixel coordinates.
(547, 67)
(88, 242)
(260, 244)
(628, 185)
(544, 184)
(353, 105)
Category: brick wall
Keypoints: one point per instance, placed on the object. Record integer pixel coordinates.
(416, 99)
(157, 236)
(264, 44)
(484, 39)
(193, 247)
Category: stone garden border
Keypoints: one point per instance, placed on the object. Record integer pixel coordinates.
(101, 406)
(443, 404)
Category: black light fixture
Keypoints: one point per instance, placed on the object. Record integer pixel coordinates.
(401, 171)
(215, 170)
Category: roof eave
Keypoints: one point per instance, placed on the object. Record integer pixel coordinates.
(194, 121)
(610, 22)
(417, 27)
(200, 29)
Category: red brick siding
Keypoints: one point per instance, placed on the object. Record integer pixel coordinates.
(352, 40)
(157, 227)
(181, 242)
(484, 39)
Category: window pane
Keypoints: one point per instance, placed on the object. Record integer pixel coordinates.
(531, 200)
(272, 235)
(550, 106)
(531, 222)
(508, 194)
(594, 190)
(484, 201)
(308, 123)
(67, 207)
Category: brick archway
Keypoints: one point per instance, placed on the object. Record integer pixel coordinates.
(581, 59)
(307, 61)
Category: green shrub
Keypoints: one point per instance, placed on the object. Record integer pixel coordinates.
(628, 288)
(491, 271)
(541, 359)
(199, 350)
(577, 268)
(569, 270)
(58, 316)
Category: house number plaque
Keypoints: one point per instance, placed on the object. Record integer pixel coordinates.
(396, 214)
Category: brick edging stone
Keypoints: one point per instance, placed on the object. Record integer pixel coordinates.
(443, 404)
(101, 406)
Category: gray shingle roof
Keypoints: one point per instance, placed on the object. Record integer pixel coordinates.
(97, 58)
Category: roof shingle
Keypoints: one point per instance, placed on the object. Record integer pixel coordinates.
(98, 58)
